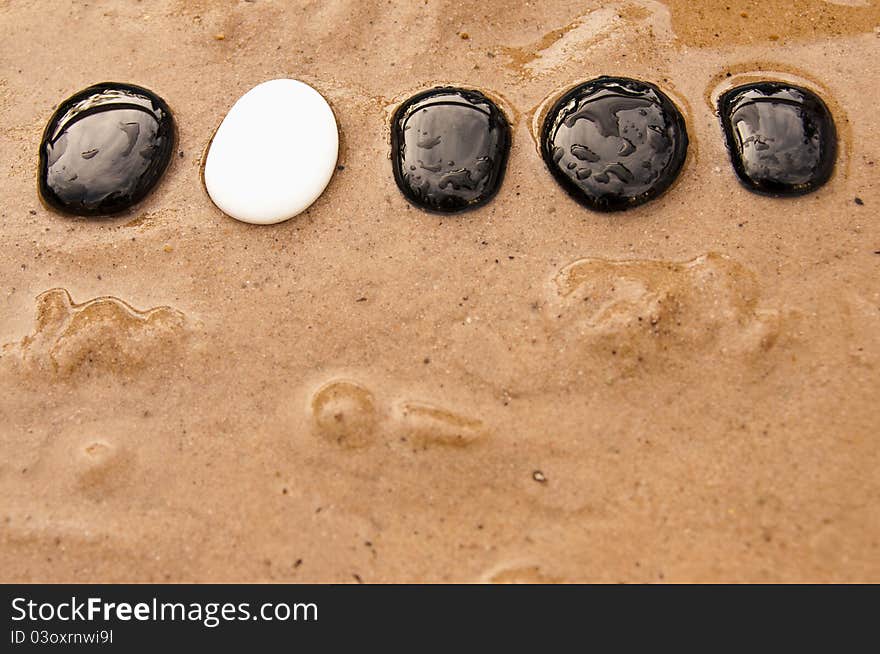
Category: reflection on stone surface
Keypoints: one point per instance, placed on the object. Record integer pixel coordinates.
(449, 149)
(614, 143)
(781, 138)
(104, 149)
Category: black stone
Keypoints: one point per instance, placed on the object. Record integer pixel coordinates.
(104, 149)
(781, 138)
(449, 149)
(614, 143)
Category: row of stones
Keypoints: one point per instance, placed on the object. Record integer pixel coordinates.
(611, 143)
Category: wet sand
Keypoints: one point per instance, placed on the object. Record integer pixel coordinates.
(527, 392)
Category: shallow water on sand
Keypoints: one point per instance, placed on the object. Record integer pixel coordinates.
(526, 392)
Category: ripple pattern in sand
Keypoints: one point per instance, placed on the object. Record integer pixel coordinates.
(645, 308)
(601, 320)
(344, 413)
(347, 414)
(104, 334)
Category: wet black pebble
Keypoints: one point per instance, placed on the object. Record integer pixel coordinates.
(104, 149)
(781, 138)
(614, 143)
(449, 149)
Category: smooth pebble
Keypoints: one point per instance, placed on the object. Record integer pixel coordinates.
(781, 138)
(614, 143)
(449, 149)
(274, 153)
(104, 149)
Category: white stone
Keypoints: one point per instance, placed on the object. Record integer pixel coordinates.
(274, 153)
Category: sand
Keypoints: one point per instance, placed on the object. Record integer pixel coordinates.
(528, 392)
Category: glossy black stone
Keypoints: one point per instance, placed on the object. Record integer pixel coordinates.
(449, 149)
(104, 149)
(781, 138)
(614, 143)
